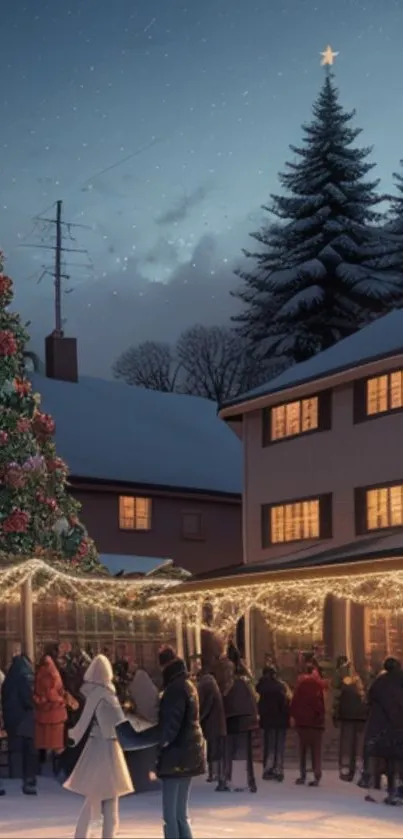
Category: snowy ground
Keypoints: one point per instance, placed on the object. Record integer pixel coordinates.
(334, 810)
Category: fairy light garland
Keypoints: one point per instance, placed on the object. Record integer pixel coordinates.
(287, 605)
(117, 596)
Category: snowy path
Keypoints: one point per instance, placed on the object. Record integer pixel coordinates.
(334, 811)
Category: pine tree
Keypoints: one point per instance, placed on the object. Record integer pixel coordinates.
(38, 518)
(321, 272)
(393, 229)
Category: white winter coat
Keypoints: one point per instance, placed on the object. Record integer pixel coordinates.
(101, 771)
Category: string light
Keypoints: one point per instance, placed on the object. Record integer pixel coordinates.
(287, 605)
(124, 596)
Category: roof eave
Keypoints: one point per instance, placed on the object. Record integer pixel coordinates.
(353, 568)
(246, 404)
(109, 484)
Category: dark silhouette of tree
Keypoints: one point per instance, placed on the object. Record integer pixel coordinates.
(150, 365)
(213, 362)
(321, 272)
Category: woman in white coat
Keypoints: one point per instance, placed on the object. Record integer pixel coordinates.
(101, 773)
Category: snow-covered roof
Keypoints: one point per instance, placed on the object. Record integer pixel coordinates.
(380, 339)
(106, 430)
(130, 564)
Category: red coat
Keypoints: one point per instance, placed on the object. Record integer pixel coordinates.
(308, 703)
(50, 707)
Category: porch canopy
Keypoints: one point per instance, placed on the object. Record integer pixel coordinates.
(291, 599)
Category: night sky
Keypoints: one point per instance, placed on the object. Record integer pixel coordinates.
(187, 109)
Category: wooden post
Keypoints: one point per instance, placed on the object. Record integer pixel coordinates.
(198, 630)
(349, 640)
(179, 637)
(248, 639)
(190, 637)
(27, 619)
(339, 628)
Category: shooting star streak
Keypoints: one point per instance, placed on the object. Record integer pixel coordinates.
(149, 25)
(89, 182)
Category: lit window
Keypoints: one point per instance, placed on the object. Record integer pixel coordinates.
(134, 513)
(385, 393)
(384, 507)
(294, 418)
(294, 522)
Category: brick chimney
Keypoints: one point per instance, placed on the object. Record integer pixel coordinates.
(61, 357)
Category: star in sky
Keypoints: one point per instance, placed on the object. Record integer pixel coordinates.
(328, 56)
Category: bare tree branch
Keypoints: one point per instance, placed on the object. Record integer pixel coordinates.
(150, 365)
(214, 361)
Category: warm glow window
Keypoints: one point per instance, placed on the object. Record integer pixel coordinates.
(134, 513)
(294, 418)
(384, 393)
(384, 507)
(294, 522)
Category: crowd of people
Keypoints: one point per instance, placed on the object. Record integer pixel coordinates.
(207, 722)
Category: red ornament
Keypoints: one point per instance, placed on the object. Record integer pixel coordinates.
(8, 344)
(82, 548)
(14, 477)
(56, 464)
(16, 522)
(5, 284)
(23, 425)
(43, 425)
(51, 503)
(3, 438)
(22, 386)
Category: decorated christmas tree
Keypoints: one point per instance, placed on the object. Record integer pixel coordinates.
(38, 517)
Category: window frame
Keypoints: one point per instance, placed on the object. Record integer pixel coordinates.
(193, 537)
(361, 394)
(325, 520)
(325, 402)
(134, 528)
(360, 508)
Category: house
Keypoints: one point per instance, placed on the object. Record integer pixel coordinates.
(157, 474)
(320, 444)
(323, 490)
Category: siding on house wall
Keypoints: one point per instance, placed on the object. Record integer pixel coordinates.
(221, 545)
(336, 461)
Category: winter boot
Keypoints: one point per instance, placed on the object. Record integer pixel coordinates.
(29, 789)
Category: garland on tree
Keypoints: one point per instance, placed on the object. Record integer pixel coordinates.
(38, 517)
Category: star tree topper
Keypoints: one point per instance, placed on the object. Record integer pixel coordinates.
(328, 57)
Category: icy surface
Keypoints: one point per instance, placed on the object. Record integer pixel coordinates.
(334, 811)
(111, 431)
(382, 337)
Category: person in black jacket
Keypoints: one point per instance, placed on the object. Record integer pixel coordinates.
(384, 729)
(18, 714)
(274, 717)
(212, 720)
(350, 713)
(241, 714)
(182, 751)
